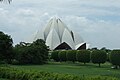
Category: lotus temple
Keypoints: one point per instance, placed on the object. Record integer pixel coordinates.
(58, 36)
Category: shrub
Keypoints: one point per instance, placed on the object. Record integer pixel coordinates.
(19, 74)
(71, 55)
(62, 55)
(83, 56)
(115, 58)
(54, 56)
(98, 56)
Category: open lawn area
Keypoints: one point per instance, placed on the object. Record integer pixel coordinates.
(79, 69)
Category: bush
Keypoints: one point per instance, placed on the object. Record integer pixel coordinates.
(62, 55)
(83, 56)
(115, 58)
(54, 56)
(98, 56)
(19, 74)
(15, 74)
(71, 55)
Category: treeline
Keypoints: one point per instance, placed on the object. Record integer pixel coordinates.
(37, 53)
(86, 56)
(22, 53)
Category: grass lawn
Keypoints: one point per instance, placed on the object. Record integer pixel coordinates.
(76, 69)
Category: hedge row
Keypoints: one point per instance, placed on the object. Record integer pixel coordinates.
(16, 74)
(85, 56)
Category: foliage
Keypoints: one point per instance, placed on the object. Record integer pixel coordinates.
(54, 56)
(98, 56)
(115, 57)
(16, 74)
(6, 53)
(108, 51)
(108, 56)
(105, 49)
(62, 56)
(35, 53)
(83, 56)
(71, 55)
(94, 48)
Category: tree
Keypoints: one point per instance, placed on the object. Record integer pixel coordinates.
(108, 51)
(105, 49)
(34, 53)
(115, 58)
(95, 48)
(6, 42)
(62, 56)
(98, 56)
(71, 55)
(83, 56)
(54, 56)
(44, 49)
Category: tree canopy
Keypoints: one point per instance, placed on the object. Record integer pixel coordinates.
(31, 53)
(5, 47)
(98, 56)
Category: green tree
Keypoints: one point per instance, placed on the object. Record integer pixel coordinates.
(83, 56)
(62, 56)
(115, 58)
(108, 51)
(54, 56)
(44, 49)
(71, 55)
(6, 42)
(34, 53)
(98, 56)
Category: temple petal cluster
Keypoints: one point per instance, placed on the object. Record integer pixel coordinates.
(57, 36)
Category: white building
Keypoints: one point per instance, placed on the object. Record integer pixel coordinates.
(57, 36)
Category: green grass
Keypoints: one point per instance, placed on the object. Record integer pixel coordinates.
(76, 69)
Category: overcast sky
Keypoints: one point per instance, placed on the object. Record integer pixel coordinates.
(97, 21)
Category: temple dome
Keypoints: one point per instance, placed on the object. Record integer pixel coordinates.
(57, 36)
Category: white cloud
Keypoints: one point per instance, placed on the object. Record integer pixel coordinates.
(98, 33)
(87, 17)
(25, 12)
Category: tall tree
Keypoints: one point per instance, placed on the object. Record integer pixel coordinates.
(5, 47)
